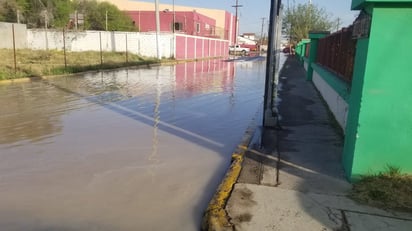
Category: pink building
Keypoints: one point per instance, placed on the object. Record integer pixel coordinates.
(224, 22)
(186, 22)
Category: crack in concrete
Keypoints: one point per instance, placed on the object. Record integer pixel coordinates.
(333, 216)
(345, 224)
(378, 215)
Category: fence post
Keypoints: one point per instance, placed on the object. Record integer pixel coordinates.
(305, 43)
(314, 40)
(379, 120)
(14, 49)
(64, 49)
(195, 48)
(101, 52)
(127, 54)
(185, 46)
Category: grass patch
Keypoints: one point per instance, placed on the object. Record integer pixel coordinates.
(33, 63)
(387, 190)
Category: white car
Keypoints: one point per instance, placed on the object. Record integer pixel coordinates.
(238, 50)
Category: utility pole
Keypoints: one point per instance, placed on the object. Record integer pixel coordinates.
(18, 16)
(338, 25)
(261, 35)
(270, 114)
(237, 20)
(106, 20)
(174, 17)
(157, 29)
(75, 19)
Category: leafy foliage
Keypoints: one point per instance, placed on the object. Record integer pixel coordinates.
(56, 14)
(299, 19)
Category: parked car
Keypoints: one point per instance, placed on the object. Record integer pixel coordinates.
(289, 50)
(238, 50)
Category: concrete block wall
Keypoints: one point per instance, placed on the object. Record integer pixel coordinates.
(179, 46)
(337, 104)
(6, 32)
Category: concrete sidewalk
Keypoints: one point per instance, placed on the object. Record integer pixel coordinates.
(292, 178)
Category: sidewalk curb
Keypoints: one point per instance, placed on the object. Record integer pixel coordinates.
(215, 217)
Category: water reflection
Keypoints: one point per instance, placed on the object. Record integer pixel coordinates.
(30, 111)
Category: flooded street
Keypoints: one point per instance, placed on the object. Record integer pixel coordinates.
(124, 150)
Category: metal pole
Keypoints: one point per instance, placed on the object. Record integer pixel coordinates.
(236, 20)
(268, 115)
(127, 55)
(261, 35)
(75, 19)
(106, 20)
(14, 49)
(46, 21)
(157, 29)
(174, 30)
(101, 52)
(64, 49)
(174, 17)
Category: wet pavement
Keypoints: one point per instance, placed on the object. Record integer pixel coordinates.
(137, 149)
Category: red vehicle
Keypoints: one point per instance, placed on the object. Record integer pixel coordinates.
(253, 47)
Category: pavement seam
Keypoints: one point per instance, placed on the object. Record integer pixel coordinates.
(378, 215)
(215, 217)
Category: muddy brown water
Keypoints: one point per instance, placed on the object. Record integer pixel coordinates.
(140, 149)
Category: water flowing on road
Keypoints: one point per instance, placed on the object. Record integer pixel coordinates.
(136, 149)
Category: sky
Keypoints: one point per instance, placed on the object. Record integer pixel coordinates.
(252, 12)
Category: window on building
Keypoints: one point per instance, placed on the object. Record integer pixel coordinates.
(198, 27)
(178, 26)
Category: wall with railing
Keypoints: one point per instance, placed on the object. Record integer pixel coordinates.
(336, 53)
(354, 70)
(331, 68)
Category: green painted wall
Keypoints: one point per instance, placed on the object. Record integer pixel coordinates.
(379, 131)
(354, 105)
(359, 4)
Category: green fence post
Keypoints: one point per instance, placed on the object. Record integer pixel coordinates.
(304, 45)
(314, 37)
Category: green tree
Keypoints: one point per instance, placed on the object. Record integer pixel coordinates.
(95, 16)
(10, 8)
(57, 13)
(299, 19)
(61, 11)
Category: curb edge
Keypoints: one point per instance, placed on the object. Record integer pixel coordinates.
(215, 217)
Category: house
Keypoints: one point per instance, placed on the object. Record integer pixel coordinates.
(251, 36)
